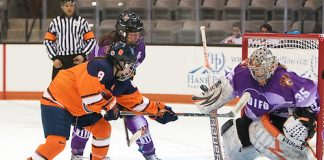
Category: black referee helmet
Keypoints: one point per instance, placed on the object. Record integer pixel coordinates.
(66, 1)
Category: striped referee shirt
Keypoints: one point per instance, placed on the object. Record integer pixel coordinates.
(67, 36)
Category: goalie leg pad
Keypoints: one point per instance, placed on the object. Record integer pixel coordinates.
(268, 140)
(215, 96)
(232, 147)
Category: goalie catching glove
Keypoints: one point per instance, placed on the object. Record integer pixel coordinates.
(301, 126)
(214, 97)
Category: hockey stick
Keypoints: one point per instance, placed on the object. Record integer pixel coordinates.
(206, 61)
(126, 132)
(135, 136)
(242, 101)
(230, 114)
(214, 126)
(129, 113)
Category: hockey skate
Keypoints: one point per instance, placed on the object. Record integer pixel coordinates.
(152, 157)
(78, 157)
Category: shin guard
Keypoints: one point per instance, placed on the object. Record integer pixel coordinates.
(52, 147)
(101, 139)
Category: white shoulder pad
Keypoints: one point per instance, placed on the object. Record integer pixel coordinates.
(268, 140)
(215, 96)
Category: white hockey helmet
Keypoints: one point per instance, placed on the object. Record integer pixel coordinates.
(262, 64)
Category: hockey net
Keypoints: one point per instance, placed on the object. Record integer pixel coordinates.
(302, 54)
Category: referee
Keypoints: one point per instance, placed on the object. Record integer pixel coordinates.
(68, 39)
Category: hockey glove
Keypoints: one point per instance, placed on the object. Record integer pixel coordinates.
(112, 102)
(112, 114)
(165, 115)
(308, 118)
(86, 120)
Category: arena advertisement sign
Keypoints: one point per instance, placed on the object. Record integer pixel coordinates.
(222, 61)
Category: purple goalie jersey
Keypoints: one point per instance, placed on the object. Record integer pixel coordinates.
(283, 90)
(139, 51)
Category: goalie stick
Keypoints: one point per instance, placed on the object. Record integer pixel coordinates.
(214, 126)
(218, 155)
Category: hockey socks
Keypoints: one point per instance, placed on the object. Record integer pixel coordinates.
(79, 141)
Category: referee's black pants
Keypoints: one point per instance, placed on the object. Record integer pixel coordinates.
(67, 62)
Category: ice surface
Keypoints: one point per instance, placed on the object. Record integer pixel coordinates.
(188, 138)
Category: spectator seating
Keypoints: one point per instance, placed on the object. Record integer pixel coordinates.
(260, 9)
(219, 30)
(164, 9)
(110, 9)
(17, 32)
(222, 25)
(253, 25)
(212, 9)
(307, 27)
(232, 9)
(278, 25)
(164, 31)
(186, 10)
(139, 7)
(187, 34)
(86, 8)
(148, 27)
(92, 24)
(293, 7)
(107, 26)
(308, 11)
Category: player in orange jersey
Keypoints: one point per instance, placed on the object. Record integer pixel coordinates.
(77, 96)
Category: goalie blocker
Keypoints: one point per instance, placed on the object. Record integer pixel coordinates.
(214, 97)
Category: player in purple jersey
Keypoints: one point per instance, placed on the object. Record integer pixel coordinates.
(279, 118)
(129, 29)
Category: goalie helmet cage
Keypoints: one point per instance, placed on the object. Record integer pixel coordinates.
(301, 53)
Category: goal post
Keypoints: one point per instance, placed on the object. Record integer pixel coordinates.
(301, 53)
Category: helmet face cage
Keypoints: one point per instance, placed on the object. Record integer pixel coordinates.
(123, 59)
(262, 64)
(125, 70)
(127, 22)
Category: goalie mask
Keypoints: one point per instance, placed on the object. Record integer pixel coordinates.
(128, 22)
(123, 58)
(262, 64)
